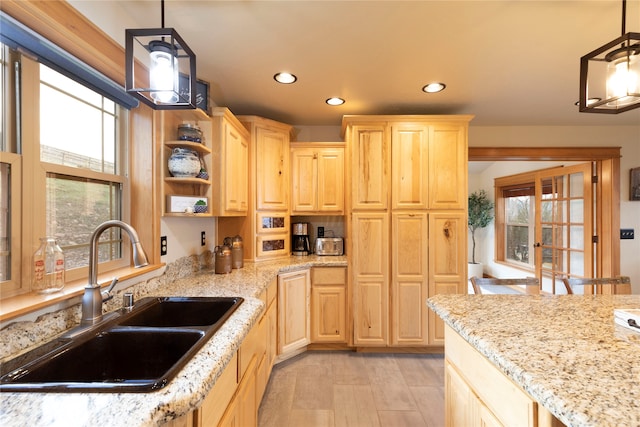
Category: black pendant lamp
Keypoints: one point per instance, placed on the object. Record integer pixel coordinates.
(160, 68)
(610, 75)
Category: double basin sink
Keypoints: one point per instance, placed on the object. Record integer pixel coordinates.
(140, 350)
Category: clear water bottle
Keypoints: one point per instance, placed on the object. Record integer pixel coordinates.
(48, 267)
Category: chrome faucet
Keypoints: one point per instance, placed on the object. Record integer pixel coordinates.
(93, 296)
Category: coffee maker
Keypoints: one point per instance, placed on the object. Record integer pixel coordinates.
(300, 239)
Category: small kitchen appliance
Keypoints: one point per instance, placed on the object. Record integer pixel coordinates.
(300, 239)
(329, 246)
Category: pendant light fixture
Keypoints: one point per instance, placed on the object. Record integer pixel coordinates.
(160, 68)
(610, 75)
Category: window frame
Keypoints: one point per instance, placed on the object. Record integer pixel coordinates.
(65, 27)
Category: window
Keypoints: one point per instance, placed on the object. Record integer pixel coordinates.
(73, 172)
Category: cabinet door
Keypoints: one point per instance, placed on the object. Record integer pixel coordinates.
(458, 400)
(409, 289)
(328, 308)
(370, 157)
(304, 177)
(294, 328)
(236, 165)
(272, 170)
(330, 183)
(409, 165)
(447, 262)
(448, 167)
(370, 255)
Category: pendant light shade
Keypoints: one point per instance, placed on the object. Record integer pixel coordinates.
(160, 68)
(611, 74)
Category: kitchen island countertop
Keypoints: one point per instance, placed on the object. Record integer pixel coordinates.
(565, 351)
(191, 385)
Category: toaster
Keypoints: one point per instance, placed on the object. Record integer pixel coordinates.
(329, 246)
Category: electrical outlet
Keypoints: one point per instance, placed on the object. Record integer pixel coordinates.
(203, 238)
(163, 245)
(320, 231)
(626, 233)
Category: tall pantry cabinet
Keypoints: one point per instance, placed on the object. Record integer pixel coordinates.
(406, 232)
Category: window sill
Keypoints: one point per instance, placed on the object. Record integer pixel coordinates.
(28, 303)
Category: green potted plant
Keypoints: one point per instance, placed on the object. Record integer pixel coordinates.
(200, 206)
(480, 215)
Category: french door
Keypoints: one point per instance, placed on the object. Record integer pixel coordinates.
(564, 225)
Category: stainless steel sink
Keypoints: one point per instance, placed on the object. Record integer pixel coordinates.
(138, 351)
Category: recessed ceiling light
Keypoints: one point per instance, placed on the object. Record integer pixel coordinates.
(590, 101)
(285, 78)
(335, 101)
(434, 87)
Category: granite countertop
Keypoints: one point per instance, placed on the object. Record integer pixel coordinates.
(565, 351)
(188, 389)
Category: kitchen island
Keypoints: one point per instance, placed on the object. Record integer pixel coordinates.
(191, 385)
(564, 351)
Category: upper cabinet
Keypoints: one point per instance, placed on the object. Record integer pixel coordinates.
(410, 162)
(220, 157)
(317, 178)
(272, 167)
(370, 161)
(230, 160)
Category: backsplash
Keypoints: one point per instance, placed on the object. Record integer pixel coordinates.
(333, 226)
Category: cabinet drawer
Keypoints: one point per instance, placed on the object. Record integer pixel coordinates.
(272, 245)
(504, 398)
(328, 276)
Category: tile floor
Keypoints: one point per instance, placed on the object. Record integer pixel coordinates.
(342, 388)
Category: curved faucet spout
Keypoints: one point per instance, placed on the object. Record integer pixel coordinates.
(93, 298)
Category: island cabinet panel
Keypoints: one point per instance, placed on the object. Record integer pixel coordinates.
(409, 288)
(370, 161)
(409, 176)
(478, 394)
(294, 329)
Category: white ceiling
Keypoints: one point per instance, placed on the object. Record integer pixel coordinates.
(507, 62)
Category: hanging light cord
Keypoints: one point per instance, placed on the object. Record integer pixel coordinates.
(624, 15)
(162, 15)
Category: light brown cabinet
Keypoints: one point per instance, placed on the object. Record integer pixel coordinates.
(328, 305)
(478, 394)
(408, 181)
(236, 396)
(294, 329)
(317, 179)
(230, 165)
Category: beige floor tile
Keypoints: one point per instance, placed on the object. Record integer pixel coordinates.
(430, 402)
(311, 418)
(349, 389)
(354, 406)
(401, 419)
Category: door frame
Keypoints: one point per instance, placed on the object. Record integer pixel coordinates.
(607, 193)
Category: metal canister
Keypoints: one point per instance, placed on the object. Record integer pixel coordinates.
(237, 252)
(222, 259)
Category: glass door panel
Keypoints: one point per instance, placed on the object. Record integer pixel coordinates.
(564, 226)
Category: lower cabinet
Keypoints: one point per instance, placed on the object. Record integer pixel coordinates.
(235, 398)
(478, 394)
(328, 305)
(294, 328)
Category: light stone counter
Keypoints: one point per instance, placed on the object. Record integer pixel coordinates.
(565, 350)
(187, 390)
